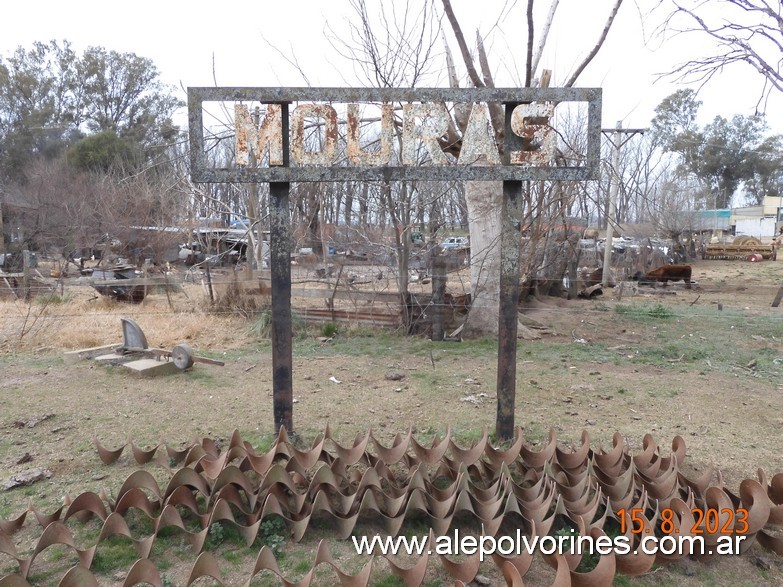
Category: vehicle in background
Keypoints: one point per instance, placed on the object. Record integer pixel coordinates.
(455, 242)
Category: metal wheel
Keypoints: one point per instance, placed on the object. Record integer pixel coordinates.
(182, 356)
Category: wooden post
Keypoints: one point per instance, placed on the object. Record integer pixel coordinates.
(778, 297)
(2, 231)
(614, 187)
(26, 263)
(573, 276)
(209, 284)
(145, 274)
(438, 294)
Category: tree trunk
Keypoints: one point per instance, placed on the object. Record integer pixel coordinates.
(348, 205)
(484, 202)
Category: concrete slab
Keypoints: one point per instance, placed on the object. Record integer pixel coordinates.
(88, 353)
(114, 359)
(151, 367)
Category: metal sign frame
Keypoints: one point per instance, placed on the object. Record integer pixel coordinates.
(202, 172)
(513, 169)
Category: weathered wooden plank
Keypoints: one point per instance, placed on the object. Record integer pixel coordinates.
(371, 318)
(342, 294)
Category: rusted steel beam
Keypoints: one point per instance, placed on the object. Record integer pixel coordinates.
(351, 95)
(280, 265)
(203, 174)
(507, 315)
(510, 234)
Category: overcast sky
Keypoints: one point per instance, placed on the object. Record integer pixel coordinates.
(197, 43)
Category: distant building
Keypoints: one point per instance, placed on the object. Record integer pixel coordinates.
(718, 220)
(760, 221)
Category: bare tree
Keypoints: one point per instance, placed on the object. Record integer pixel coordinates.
(392, 46)
(391, 43)
(66, 211)
(673, 205)
(485, 199)
(746, 32)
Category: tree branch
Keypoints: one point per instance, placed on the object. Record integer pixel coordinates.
(739, 40)
(529, 58)
(572, 80)
(544, 34)
(463, 47)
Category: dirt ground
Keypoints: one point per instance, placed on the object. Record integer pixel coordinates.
(704, 363)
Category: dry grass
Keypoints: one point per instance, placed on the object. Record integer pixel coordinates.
(683, 371)
(86, 320)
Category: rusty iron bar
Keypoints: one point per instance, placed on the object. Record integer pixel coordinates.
(278, 95)
(280, 270)
(510, 234)
(202, 172)
(508, 311)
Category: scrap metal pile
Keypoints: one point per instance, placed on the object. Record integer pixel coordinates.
(540, 491)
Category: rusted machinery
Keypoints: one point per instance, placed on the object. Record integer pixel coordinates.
(134, 344)
(136, 354)
(740, 249)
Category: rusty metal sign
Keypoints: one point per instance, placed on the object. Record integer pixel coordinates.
(315, 134)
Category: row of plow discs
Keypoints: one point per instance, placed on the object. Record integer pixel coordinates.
(544, 493)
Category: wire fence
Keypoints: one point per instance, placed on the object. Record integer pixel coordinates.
(69, 299)
(363, 289)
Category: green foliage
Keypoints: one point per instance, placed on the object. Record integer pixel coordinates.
(38, 104)
(302, 566)
(68, 118)
(216, 535)
(428, 380)
(53, 299)
(261, 327)
(49, 94)
(675, 352)
(674, 124)
(114, 553)
(328, 329)
(722, 155)
(656, 312)
(261, 442)
(273, 533)
(102, 151)
(126, 96)
(389, 581)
